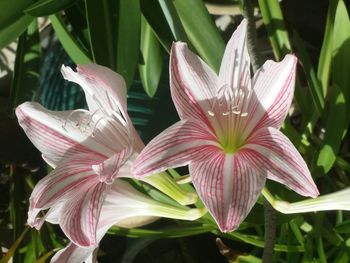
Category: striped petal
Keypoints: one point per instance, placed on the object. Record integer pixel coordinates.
(105, 90)
(61, 185)
(235, 66)
(272, 151)
(109, 168)
(273, 90)
(193, 84)
(59, 135)
(228, 186)
(75, 254)
(81, 215)
(180, 144)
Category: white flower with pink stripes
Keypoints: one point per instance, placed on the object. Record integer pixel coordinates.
(87, 148)
(229, 130)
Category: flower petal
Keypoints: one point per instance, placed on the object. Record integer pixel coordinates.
(193, 83)
(181, 143)
(81, 215)
(105, 90)
(235, 65)
(109, 168)
(105, 93)
(61, 185)
(74, 254)
(228, 186)
(271, 150)
(273, 90)
(58, 134)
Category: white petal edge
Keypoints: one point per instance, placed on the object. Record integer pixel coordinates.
(228, 186)
(104, 89)
(56, 134)
(235, 64)
(271, 150)
(193, 83)
(273, 90)
(178, 145)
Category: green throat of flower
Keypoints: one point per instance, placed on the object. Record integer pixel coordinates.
(231, 144)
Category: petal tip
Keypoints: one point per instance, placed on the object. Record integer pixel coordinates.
(67, 72)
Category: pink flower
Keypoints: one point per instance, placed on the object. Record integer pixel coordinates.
(123, 206)
(229, 130)
(88, 150)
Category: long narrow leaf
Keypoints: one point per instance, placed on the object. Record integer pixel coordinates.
(324, 64)
(273, 20)
(154, 15)
(102, 24)
(314, 83)
(72, 47)
(128, 39)
(27, 66)
(334, 130)
(151, 66)
(173, 20)
(201, 31)
(48, 7)
(11, 32)
(13, 248)
(11, 11)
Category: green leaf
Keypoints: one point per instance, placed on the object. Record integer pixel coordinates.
(27, 66)
(257, 241)
(151, 66)
(201, 31)
(173, 20)
(341, 52)
(102, 23)
(48, 7)
(11, 32)
(128, 44)
(247, 259)
(14, 247)
(45, 257)
(166, 232)
(71, 46)
(154, 15)
(324, 64)
(314, 83)
(334, 130)
(338, 117)
(11, 12)
(273, 20)
(343, 228)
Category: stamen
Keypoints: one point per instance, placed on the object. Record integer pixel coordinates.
(224, 100)
(91, 116)
(211, 113)
(98, 121)
(70, 115)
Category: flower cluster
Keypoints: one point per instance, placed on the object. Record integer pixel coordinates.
(228, 135)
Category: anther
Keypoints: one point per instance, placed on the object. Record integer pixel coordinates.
(70, 115)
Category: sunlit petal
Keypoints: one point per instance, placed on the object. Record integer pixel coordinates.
(228, 186)
(273, 151)
(176, 146)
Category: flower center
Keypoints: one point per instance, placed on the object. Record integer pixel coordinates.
(228, 110)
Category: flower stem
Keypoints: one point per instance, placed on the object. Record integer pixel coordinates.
(270, 213)
(255, 57)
